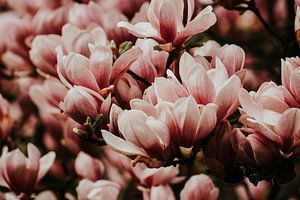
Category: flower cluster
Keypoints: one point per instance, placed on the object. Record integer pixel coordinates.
(148, 99)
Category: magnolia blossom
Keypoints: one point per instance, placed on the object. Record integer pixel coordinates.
(77, 40)
(199, 187)
(80, 103)
(101, 189)
(290, 76)
(48, 95)
(151, 63)
(145, 136)
(48, 21)
(212, 86)
(43, 54)
(183, 124)
(232, 56)
(88, 167)
(166, 22)
(83, 16)
(97, 72)
(272, 119)
(14, 164)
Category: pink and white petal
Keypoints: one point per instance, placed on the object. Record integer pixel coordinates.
(249, 105)
(186, 64)
(228, 97)
(288, 127)
(46, 163)
(264, 130)
(218, 75)
(122, 64)
(101, 65)
(203, 21)
(199, 85)
(140, 29)
(168, 21)
(159, 129)
(146, 107)
(120, 145)
(207, 122)
(187, 116)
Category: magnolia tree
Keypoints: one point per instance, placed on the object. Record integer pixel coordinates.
(161, 99)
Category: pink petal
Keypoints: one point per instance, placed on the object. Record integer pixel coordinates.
(204, 20)
(101, 65)
(167, 21)
(46, 163)
(207, 122)
(187, 115)
(122, 64)
(227, 98)
(249, 105)
(121, 145)
(288, 127)
(140, 29)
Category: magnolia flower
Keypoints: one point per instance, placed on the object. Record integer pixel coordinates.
(14, 164)
(184, 124)
(166, 23)
(83, 16)
(6, 120)
(199, 187)
(77, 40)
(144, 136)
(43, 54)
(290, 77)
(252, 149)
(212, 86)
(80, 103)
(232, 56)
(127, 88)
(97, 72)
(273, 120)
(188, 123)
(48, 21)
(87, 167)
(101, 189)
(151, 63)
(48, 95)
